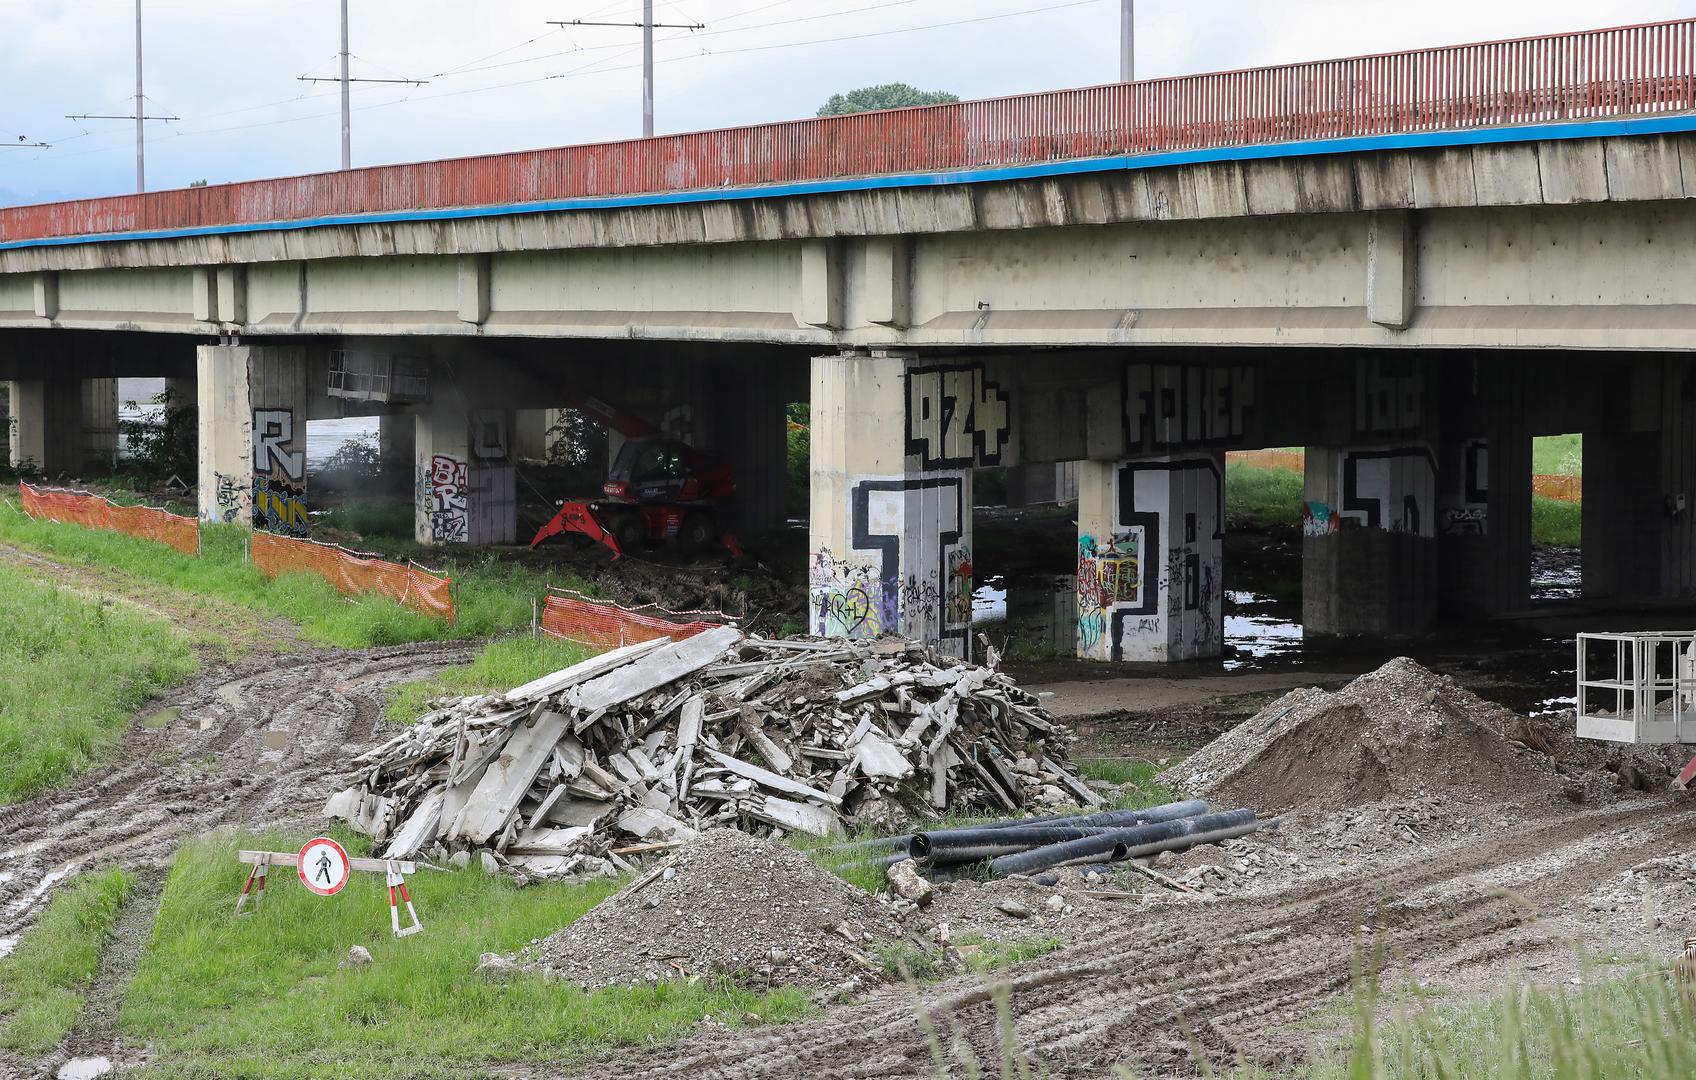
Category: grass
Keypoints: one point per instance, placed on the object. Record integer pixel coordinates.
(264, 996)
(1135, 778)
(491, 596)
(1257, 498)
(501, 665)
(388, 519)
(1556, 523)
(72, 671)
(983, 954)
(1558, 455)
(44, 982)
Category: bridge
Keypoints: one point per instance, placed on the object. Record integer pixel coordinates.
(1409, 263)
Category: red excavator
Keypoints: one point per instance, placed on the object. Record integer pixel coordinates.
(659, 489)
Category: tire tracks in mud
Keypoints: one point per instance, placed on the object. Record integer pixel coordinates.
(258, 743)
(1234, 975)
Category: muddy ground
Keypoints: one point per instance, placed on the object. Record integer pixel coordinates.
(1254, 964)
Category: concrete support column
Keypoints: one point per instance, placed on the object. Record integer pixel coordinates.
(530, 433)
(750, 435)
(1369, 553)
(1484, 489)
(894, 441)
(463, 477)
(63, 426)
(1151, 534)
(252, 420)
(1046, 482)
(181, 392)
(1640, 486)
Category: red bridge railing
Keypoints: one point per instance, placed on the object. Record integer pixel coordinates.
(1621, 71)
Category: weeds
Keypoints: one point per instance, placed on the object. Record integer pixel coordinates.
(72, 671)
(43, 983)
(266, 996)
(1135, 778)
(984, 955)
(501, 665)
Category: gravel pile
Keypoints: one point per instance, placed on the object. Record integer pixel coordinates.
(732, 906)
(1397, 732)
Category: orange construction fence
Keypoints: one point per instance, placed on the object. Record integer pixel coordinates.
(605, 625)
(354, 574)
(94, 512)
(1563, 488)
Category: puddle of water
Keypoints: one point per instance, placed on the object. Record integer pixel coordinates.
(154, 721)
(989, 601)
(1554, 706)
(84, 1068)
(7, 944)
(1252, 635)
(28, 900)
(275, 740)
(28, 849)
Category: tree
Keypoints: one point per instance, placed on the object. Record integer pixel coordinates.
(888, 96)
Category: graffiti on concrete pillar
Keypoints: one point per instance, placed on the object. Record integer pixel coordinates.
(1178, 406)
(1465, 504)
(1393, 489)
(956, 418)
(227, 498)
(443, 498)
(1389, 395)
(1109, 580)
(1319, 519)
(1169, 517)
(279, 474)
(909, 565)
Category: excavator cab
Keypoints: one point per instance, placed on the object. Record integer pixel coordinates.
(651, 470)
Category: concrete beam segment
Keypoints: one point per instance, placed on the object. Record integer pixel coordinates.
(205, 294)
(231, 288)
(463, 477)
(889, 281)
(1392, 268)
(252, 416)
(822, 285)
(473, 271)
(45, 284)
(1151, 558)
(894, 442)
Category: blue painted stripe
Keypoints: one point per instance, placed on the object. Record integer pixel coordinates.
(1582, 129)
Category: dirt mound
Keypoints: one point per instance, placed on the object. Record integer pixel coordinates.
(733, 906)
(1396, 732)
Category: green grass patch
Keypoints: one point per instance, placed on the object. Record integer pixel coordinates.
(1556, 523)
(264, 996)
(1135, 777)
(390, 519)
(501, 665)
(43, 983)
(491, 596)
(1257, 498)
(72, 671)
(1558, 455)
(1635, 1026)
(983, 954)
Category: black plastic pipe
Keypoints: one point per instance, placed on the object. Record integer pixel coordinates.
(1103, 843)
(1100, 818)
(1180, 843)
(970, 845)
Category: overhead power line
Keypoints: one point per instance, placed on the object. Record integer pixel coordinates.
(647, 26)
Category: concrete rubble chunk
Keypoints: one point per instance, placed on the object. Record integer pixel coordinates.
(617, 760)
(907, 883)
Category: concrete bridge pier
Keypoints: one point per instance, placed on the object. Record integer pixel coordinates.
(1369, 552)
(464, 484)
(1151, 537)
(894, 442)
(63, 425)
(1484, 488)
(1639, 517)
(252, 420)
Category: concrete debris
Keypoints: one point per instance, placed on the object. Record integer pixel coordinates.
(906, 882)
(640, 749)
(736, 907)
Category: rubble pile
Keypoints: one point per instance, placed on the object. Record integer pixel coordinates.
(731, 906)
(640, 748)
(1397, 732)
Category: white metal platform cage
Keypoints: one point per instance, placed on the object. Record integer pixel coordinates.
(1637, 687)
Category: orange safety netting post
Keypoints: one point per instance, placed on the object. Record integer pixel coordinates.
(94, 512)
(606, 625)
(353, 573)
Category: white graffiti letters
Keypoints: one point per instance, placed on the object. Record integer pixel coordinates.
(955, 417)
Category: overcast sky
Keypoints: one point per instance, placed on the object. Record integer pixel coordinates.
(500, 78)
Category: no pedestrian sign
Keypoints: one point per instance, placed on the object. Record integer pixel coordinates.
(323, 866)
